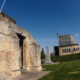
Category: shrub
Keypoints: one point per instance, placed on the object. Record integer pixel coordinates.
(42, 56)
(65, 58)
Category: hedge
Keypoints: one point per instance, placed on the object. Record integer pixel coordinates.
(65, 58)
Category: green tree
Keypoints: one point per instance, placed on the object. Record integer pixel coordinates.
(42, 54)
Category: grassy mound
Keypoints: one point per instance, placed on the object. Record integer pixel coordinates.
(63, 71)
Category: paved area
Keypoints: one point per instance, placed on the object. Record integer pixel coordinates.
(29, 76)
(32, 75)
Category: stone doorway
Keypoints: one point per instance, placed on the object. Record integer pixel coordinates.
(21, 41)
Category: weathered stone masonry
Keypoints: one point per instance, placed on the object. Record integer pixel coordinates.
(18, 50)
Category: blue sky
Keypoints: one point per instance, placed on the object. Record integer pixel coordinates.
(44, 18)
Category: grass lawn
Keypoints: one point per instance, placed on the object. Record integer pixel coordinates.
(63, 71)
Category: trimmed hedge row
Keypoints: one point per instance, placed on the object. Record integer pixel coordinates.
(65, 58)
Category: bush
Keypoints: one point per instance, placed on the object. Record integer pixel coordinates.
(42, 56)
(65, 58)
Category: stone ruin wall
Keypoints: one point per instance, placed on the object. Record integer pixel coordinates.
(10, 51)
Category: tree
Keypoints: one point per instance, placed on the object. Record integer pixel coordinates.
(42, 54)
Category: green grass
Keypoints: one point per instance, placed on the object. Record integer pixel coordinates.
(63, 71)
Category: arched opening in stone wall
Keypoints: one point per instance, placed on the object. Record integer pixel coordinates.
(21, 40)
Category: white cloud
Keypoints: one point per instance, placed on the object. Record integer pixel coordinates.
(76, 35)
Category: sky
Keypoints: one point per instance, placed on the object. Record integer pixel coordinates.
(44, 18)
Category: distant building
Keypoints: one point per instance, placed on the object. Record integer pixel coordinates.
(67, 45)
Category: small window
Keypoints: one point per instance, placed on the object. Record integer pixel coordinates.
(69, 50)
(66, 50)
(63, 50)
(74, 49)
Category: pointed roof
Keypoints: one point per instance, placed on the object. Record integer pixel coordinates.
(66, 40)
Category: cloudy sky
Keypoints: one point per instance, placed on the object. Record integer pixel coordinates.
(44, 18)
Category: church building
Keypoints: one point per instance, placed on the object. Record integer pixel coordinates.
(66, 45)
